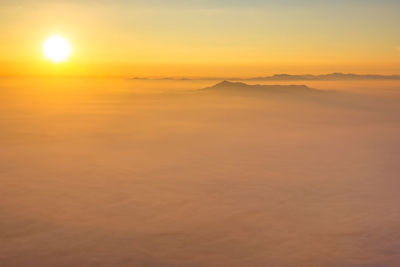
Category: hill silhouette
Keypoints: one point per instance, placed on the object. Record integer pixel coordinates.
(297, 93)
(337, 76)
(325, 77)
(239, 87)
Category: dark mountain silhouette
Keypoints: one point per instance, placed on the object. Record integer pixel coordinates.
(287, 77)
(296, 93)
(326, 77)
(227, 86)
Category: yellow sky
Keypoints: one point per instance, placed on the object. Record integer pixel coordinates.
(237, 38)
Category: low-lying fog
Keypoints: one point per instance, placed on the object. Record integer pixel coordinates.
(145, 173)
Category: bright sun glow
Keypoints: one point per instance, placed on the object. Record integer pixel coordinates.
(57, 49)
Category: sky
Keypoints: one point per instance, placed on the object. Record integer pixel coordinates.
(202, 38)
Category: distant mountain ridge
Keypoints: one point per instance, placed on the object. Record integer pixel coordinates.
(286, 77)
(227, 86)
(327, 77)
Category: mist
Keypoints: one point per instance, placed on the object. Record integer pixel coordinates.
(100, 172)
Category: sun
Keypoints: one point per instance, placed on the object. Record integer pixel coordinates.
(57, 49)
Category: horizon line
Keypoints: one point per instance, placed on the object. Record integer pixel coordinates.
(274, 77)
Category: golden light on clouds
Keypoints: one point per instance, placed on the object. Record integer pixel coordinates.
(57, 49)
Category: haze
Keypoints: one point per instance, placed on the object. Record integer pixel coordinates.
(98, 172)
(202, 38)
(199, 133)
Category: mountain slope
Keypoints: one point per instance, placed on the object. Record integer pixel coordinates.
(237, 87)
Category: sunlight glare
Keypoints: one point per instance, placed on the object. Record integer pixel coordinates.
(57, 49)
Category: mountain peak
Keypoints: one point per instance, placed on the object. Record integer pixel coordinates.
(227, 86)
(226, 83)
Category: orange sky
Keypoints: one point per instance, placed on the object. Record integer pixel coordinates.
(231, 38)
